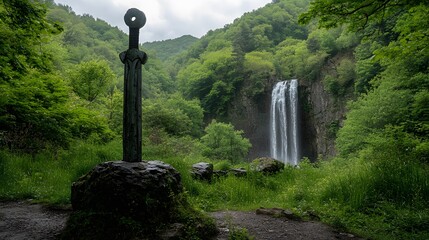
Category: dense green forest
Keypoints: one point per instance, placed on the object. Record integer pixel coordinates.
(169, 48)
(61, 93)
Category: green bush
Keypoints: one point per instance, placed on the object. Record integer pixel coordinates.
(222, 142)
(343, 78)
(174, 115)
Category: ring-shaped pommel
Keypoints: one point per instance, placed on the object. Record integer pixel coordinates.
(135, 18)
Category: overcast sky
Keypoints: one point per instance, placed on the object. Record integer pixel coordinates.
(168, 19)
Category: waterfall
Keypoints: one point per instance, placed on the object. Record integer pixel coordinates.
(284, 136)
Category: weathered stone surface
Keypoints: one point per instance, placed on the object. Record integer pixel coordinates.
(134, 200)
(267, 165)
(220, 173)
(202, 171)
(238, 172)
(144, 191)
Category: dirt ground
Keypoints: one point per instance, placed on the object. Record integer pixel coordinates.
(26, 221)
(263, 227)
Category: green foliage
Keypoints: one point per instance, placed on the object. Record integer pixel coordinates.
(170, 48)
(356, 194)
(382, 107)
(24, 30)
(323, 40)
(357, 14)
(114, 102)
(237, 233)
(294, 60)
(34, 113)
(366, 67)
(216, 67)
(377, 189)
(341, 79)
(211, 79)
(333, 128)
(87, 124)
(175, 116)
(384, 138)
(156, 80)
(396, 79)
(223, 165)
(399, 178)
(47, 176)
(36, 109)
(159, 117)
(222, 142)
(87, 39)
(259, 67)
(91, 79)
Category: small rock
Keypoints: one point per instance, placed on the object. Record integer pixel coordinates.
(267, 165)
(220, 173)
(202, 171)
(238, 172)
(349, 235)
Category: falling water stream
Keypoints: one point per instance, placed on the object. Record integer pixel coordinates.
(284, 137)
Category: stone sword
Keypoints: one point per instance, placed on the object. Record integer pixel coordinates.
(133, 59)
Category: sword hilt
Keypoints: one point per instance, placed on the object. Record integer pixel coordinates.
(135, 19)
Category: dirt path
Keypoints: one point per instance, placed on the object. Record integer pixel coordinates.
(23, 221)
(263, 227)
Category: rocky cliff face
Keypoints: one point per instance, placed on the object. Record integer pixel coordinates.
(252, 115)
(321, 115)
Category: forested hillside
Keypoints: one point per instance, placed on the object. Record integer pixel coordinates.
(232, 71)
(170, 48)
(65, 66)
(363, 68)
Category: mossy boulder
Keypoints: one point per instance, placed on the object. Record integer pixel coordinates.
(123, 200)
(267, 165)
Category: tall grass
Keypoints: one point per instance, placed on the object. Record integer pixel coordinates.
(379, 194)
(48, 178)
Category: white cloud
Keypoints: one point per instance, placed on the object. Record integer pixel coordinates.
(168, 19)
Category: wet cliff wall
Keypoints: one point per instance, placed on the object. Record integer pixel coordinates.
(321, 115)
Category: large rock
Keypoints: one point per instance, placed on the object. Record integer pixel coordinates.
(267, 165)
(139, 200)
(145, 191)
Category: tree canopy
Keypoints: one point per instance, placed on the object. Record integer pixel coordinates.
(399, 85)
(223, 142)
(358, 14)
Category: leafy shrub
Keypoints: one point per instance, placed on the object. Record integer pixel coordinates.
(338, 83)
(222, 142)
(174, 116)
(238, 233)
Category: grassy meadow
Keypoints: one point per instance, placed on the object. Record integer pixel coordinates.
(372, 199)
